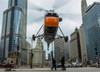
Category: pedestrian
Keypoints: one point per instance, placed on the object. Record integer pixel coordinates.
(62, 63)
(53, 63)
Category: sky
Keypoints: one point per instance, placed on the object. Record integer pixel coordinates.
(71, 14)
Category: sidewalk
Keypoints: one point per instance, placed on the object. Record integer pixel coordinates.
(36, 69)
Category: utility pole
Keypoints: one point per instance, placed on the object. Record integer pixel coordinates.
(31, 52)
(31, 58)
(52, 50)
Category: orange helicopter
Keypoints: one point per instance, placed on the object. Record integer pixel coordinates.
(51, 25)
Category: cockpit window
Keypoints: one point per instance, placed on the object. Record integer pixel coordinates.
(51, 15)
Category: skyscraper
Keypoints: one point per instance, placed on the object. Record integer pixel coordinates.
(14, 27)
(67, 46)
(75, 47)
(59, 49)
(82, 35)
(0, 53)
(83, 44)
(91, 22)
(83, 7)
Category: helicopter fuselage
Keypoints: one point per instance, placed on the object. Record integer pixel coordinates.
(50, 27)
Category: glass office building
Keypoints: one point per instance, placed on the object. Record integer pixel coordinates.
(14, 27)
(91, 21)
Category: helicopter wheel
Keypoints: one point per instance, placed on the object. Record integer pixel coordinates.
(60, 19)
(66, 38)
(33, 37)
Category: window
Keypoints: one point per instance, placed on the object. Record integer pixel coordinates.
(8, 23)
(17, 22)
(4, 24)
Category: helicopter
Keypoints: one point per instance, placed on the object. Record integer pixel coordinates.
(51, 26)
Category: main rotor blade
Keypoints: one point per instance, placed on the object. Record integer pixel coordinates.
(69, 16)
(39, 19)
(59, 3)
(38, 8)
(34, 16)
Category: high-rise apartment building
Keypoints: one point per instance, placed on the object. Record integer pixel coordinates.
(91, 23)
(0, 53)
(14, 28)
(81, 32)
(59, 49)
(75, 47)
(83, 44)
(67, 46)
(83, 7)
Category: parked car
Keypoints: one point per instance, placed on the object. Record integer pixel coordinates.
(79, 64)
(76, 64)
(68, 65)
(94, 65)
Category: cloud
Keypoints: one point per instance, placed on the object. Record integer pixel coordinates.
(60, 3)
(33, 29)
(89, 2)
(68, 26)
(71, 14)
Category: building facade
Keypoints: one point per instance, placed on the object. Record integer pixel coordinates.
(25, 54)
(91, 22)
(75, 48)
(83, 7)
(67, 46)
(59, 49)
(14, 28)
(49, 57)
(1, 56)
(28, 54)
(83, 44)
(81, 32)
(39, 58)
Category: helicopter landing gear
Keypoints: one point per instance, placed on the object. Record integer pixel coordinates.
(60, 19)
(33, 37)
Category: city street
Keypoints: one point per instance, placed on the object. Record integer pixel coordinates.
(58, 70)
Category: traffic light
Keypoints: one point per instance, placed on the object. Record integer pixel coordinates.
(96, 51)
